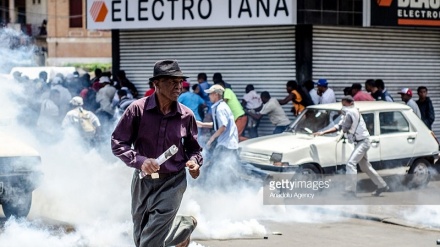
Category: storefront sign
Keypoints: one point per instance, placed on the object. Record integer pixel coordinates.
(405, 12)
(127, 14)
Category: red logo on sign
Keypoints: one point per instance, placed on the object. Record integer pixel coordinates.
(384, 3)
(98, 11)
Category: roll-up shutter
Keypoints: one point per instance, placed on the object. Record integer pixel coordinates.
(400, 57)
(263, 56)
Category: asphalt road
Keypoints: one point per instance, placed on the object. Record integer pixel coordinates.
(350, 233)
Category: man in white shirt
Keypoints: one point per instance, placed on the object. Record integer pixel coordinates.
(252, 101)
(104, 97)
(327, 94)
(353, 126)
(406, 95)
(276, 114)
(310, 86)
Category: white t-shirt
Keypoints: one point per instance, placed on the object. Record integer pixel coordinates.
(276, 114)
(315, 97)
(328, 97)
(252, 99)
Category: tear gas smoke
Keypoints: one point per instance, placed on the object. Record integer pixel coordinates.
(90, 189)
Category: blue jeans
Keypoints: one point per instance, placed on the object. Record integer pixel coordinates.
(279, 129)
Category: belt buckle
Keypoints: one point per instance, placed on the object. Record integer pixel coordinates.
(154, 175)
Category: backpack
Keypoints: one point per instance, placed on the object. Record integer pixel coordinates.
(86, 123)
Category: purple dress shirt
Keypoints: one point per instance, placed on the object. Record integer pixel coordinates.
(151, 133)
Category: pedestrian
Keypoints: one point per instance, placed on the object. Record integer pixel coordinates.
(358, 94)
(353, 126)
(376, 93)
(191, 100)
(95, 80)
(125, 83)
(276, 113)
(406, 95)
(218, 77)
(381, 86)
(104, 97)
(148, 128)
(48, 122)
(425, 106)
(327, 94)
(65, 96)
(124, 101)
(85, 122)
(310, 87)
(251, 101)
(223, 144)
(237, 110)
(294, 96)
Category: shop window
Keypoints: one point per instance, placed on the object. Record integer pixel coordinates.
(75, 13)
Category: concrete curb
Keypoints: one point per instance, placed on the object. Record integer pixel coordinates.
(389, 220)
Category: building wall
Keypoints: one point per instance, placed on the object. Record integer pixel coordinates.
(36, 12)
(74, 45)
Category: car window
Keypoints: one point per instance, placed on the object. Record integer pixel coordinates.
(315, 120)
(369, 122)
(393, 122)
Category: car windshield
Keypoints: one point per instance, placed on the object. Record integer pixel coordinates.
(315, 120)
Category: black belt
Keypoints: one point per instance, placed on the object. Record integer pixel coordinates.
(162, 175)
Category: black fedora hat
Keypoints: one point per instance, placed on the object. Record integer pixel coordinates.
(165, 68)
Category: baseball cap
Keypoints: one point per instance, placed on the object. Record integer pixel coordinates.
(104, 79)
(406, 91)
(185, 84)
(77, 101)
(322, 82)
(215, 88)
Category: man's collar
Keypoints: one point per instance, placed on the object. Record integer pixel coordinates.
(151, 104)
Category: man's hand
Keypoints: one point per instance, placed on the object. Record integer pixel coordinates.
(194, 168)
(318, 133)
(199, 124)
(150, 166)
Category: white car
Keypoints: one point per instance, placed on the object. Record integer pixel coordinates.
(20, 174)
(400, 143)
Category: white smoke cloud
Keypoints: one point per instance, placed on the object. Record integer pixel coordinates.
(90, 190)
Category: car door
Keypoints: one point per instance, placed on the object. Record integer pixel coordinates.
(344, 149)
(397, 141)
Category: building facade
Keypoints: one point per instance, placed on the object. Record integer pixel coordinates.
(59, 31)
(268, 42)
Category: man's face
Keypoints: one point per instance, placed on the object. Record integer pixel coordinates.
(169, 87)
(345, 103)
(354, 91)
(368, 88)
(405, 97)
(213, 97)
(264, 100)
(423, 93)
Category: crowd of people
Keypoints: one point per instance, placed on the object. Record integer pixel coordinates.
(90, 106)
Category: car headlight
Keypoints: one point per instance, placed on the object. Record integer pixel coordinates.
(276, 157)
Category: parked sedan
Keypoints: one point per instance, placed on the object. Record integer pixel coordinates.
(400, 143)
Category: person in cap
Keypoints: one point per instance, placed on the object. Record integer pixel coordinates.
(86, 122)
(406, 95)
(148, 128)
(358, 94)
(353, 126)
(223, 144)
(192, 100)
(327, 94)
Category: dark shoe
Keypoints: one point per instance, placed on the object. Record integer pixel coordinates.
(349, 194)
(380, 191)
(186, 242)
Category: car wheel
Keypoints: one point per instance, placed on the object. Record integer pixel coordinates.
(18, 206)
(309, 169)
(419, 174)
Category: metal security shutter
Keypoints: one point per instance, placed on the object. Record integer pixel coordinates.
(400, 57)
(263, 56)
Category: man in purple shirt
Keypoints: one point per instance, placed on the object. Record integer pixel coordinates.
(152, 125)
